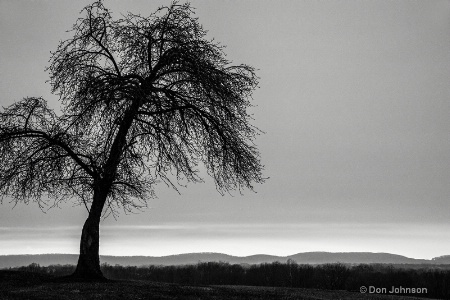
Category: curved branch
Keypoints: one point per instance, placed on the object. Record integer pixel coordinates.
(99, 42)
(53, 141)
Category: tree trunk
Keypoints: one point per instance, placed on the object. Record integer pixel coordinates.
(88, 267)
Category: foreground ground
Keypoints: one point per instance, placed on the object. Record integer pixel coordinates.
(24, 285)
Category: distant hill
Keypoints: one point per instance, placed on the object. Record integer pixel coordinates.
(444, 259)
(354, 258)
(7, 261)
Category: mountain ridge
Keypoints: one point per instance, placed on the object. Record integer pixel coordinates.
(10, 261)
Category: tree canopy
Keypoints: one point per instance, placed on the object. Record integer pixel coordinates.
(143, 99)
(146, 95)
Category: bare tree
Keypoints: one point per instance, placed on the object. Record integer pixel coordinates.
(144, 99)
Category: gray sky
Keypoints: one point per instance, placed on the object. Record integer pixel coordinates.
(354, 100)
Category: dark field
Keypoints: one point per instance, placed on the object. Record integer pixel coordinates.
(27, 285)
(288, 276)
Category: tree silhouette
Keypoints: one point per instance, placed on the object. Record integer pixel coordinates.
(144, 99)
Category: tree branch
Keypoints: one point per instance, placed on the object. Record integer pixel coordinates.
(52, 141)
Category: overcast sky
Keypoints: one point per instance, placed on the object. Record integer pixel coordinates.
(353, 97)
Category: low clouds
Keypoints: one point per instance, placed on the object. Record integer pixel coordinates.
(236, 239)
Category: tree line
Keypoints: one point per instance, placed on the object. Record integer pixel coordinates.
(290, 274)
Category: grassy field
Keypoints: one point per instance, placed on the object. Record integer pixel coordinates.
(25, 285)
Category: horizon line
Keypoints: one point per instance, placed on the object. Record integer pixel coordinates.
(245, 256)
